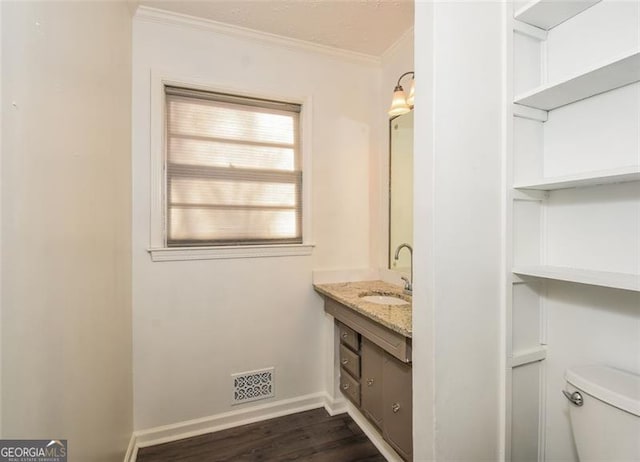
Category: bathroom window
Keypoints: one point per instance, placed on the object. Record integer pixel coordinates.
(233, 170)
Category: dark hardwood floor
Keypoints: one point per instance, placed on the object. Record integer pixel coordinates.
(307, 436)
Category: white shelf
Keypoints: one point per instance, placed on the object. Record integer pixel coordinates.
(547, 14)
(618, 175)
(616, 73)
(533, 355)
(595, 278)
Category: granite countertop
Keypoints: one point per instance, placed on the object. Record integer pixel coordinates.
(395, 317)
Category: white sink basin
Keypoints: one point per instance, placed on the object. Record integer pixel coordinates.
(384, 300)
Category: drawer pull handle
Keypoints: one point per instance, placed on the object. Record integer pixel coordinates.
(395, 408)
(345, 335)
(369, 382)
(345, 361)
(345, 386)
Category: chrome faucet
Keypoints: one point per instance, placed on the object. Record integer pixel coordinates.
(408, 283)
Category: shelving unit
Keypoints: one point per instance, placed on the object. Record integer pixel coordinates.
(547, 14)
(582, 276)
(618, 175)
(618, 72)
(558, 224)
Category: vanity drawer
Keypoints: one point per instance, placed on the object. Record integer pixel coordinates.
(348, 337)
(350, 361)
(350, 388)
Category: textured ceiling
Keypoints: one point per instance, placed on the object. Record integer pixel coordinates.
(364, 26)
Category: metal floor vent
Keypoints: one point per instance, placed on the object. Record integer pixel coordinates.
(253, 385)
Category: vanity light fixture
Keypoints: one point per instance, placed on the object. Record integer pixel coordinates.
(401, 103)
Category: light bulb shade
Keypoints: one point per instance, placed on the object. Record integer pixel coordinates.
(412, 92)
(399, 103)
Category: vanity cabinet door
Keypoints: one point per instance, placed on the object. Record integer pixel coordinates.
(371, 381)
(397, 402)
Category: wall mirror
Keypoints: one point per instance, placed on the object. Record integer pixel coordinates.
(400, 189)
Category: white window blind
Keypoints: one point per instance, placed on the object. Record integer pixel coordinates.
(233, 170)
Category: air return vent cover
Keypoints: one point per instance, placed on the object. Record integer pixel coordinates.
(253, 385)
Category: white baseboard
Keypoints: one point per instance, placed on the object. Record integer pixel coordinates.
(373, 434)
(204, 425)
(132, 450)
(335, 406)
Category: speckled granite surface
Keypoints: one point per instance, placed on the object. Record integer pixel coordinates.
(395, 317)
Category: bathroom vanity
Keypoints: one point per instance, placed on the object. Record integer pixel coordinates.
(373, 325)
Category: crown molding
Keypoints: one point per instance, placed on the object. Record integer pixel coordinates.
(149, 14)
(395, 45)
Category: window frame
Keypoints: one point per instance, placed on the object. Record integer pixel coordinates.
(158, 248)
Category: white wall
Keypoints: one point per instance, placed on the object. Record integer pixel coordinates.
(66, 318)
(424, 431)
(457, 231)
(196, 322)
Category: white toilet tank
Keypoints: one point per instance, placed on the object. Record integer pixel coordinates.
(606, 427)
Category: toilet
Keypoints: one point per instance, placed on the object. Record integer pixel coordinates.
(604, 409)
